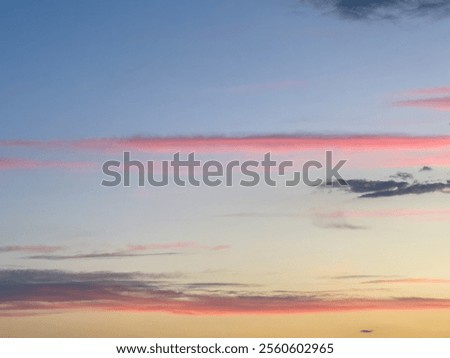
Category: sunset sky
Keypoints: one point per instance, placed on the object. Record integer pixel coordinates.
(82, 82)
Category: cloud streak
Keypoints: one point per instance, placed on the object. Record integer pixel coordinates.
(41, 249)
(388, 188)
(383, 9)
(410, 281)
(98, 255)
(222, 144)
(417, 214)
(431, 91)
(360, 151)
(335, 220)
(19, 163)
(436, 103)
(437, 98)
(131, 251)
(356, 277)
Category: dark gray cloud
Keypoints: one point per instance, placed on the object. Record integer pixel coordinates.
(367, 186)
(383, 9)
(425, 169)
(54, 290)
(31, 276)
(409, 189)
(388, 188)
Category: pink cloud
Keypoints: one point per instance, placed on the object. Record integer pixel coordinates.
(283, 144)
(63, 297)
(266, 143)
(359, 151)
(263, 305)
(431, 91)
(437, 103)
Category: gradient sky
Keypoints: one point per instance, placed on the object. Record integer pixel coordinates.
(81, 82)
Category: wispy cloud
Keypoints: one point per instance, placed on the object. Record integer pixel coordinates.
(258, 215)
(437, 103)
(224, 144)
(388, 188)
(410, 281)
(334, 220)
(383, 9)
(19, 163)
(431, 91)
(44, 249)
(359, 151)
(416, 214)
(356, 277)
(187, 245)
(98, 255)
(437, 98)
(176, 248)
(384, 279)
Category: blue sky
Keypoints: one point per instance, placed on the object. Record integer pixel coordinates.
(96, 69)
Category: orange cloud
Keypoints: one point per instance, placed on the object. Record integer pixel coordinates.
(46, 299)
(49, 291)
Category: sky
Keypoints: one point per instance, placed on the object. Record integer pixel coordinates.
(83, 82)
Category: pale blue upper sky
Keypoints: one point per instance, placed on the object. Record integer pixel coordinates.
(99, 69)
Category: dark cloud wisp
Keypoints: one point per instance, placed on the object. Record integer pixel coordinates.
(383, 9)
(388, 188)
(100, 255)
